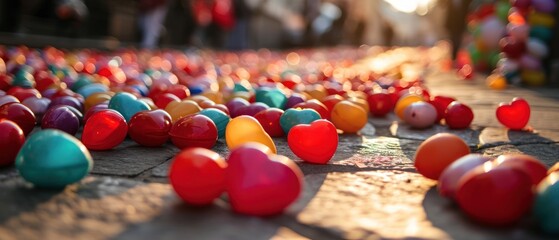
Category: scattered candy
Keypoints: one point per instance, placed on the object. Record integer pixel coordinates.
(268, 191)
(127, 105)
(315, 143)
(150, 128)
(292, 117)
(219, 118)
(53, 159)
(198, 175)
(104, 130)
(546, 205)
(194, 130)
(349, 117)
(20, 114)
(420, 115)
(533, 167)
(458, 115)
(11, 140)
(514, 115)
(495, 196)
(270, 121)
(178, 110)
(448, 181)
(61, 117)
(245, 129)
(437, 152)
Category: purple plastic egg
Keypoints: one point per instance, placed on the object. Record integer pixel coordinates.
(68, 101)
(420, 115)
(293, 100)
(62, 118)
(38, 106)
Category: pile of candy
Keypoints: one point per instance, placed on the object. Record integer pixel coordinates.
(511, 37)
(195, 98)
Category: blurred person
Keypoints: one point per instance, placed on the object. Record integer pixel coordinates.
(456, 21)
(214, 18)
(10, 11)
(152, 15)
(277, 23)
(180, 24)
(364, 24)
(238, 37)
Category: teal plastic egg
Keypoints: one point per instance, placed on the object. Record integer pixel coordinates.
(127, 105)
(89, 89)
(271, 97)
(53, 159)
(219, 118)
(292, 117)
(546, 205)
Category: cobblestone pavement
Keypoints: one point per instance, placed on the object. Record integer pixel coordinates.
(370, 189)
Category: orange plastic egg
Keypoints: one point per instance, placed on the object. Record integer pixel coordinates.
(348, 117)
(244, 129)
(437, 152)
(95, 99)
(183, 108)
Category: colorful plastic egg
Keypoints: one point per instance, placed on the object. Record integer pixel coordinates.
(20, 114)
(67, 101)
(96, 98)
(23, 93)
(219, 118)
(292, 117)
(537, 48)
(61, 117)
(546, 205)
(533, 77)
(252, 109)
(448, 181)
(53, 159)
(11, 140)
(495, 196)
(349, 117)
(437, 152)
(8, 99)
(194, 131)
(458, 115)
(178, 110)
(127, 105)
(198, 175)
(420, 115)
(38, 106)
(150, 128)
(404, 102)
(245, 129)
(270, 121)
(104, 130)
(271, 97)
(541, 19)
(317, 106)
(234, 105)
(294, 99)
(533, 167)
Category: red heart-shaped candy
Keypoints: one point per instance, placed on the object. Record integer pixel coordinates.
(315, 143)
(260, 183)
(514, 115)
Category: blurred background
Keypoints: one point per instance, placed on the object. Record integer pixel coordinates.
(254, 24)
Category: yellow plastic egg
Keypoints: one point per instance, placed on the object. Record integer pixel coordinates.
(496, 81)
(533, 78)
(404, 102)
(95, 99)
(316, 91)
(244, 129)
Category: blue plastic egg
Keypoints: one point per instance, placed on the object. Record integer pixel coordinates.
(53, 159)
(219, 118)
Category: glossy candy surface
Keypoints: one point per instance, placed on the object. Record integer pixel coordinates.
(252, 109)
(20, 114)
(437, 152)
(194, 130)
(219, 118)
(458, 115)
(127, 105)
(11, 140)
(270, 121)
(420, 115)
(292, 117)
(315, 143)
(61, 117)
(271, 97)
(546, 205)
(104, 130)
(177, 110)
(53, 159)
(150, 128)
(404, 102)
(319, 107)
(526, 163)
(198, 175)
(380, 104)
(37, 105)
(349, 117)
(245, 129)
(448, 181)
(514, 115)
(495, 196)
(273, 187)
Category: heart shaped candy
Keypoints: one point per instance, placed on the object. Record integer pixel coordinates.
(244, 129)
(260, 183)
(127, 105)
(514, 115)
(315, 143)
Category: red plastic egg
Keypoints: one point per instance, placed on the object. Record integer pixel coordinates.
(150, 128)
(20, 114)
(198, 175)
(11, 140)
(104, 130)
(270, 121)
(194, 131)
(458, 115)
